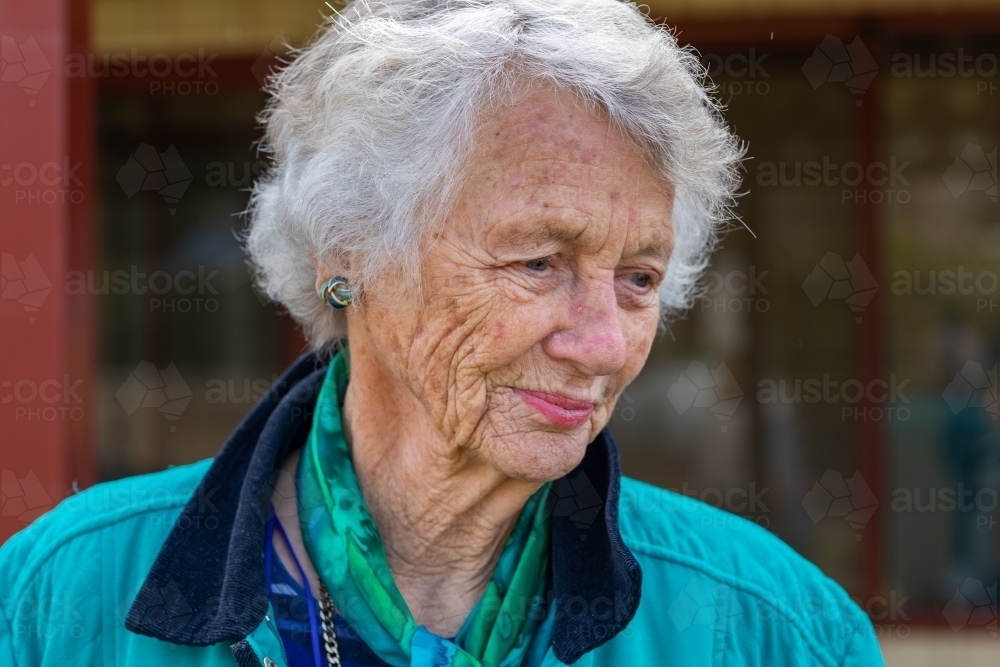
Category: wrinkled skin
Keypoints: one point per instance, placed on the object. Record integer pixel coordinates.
(490, 320)
(543, 276)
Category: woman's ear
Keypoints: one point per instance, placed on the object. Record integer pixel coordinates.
(321, 273)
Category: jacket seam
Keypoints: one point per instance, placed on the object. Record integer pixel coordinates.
(663, 553)
(37, 561)
(10, 633)
(850, 645)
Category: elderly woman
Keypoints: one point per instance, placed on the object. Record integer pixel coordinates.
(481, 212)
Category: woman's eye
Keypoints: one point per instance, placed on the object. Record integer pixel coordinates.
(641, 279)
(538, 264)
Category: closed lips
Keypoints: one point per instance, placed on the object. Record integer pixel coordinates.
(561, 401)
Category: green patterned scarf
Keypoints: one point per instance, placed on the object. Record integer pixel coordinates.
(508, 627)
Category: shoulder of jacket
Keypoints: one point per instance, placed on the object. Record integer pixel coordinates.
(687, 536)
(78, 522)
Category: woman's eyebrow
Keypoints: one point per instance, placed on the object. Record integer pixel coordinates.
(655, 250)
(543, 233)
(538, 234)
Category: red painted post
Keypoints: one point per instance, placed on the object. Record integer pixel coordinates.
(46, 340)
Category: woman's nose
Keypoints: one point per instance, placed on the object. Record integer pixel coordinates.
(592, 335)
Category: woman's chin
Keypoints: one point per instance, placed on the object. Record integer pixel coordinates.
(538, 456)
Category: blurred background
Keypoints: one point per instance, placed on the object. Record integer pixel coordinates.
(837, 384)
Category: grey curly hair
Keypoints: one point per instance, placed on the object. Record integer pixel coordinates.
(368, 129)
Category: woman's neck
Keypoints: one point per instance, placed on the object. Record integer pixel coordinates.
(442, 512)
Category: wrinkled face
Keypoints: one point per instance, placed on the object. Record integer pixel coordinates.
(539, 290)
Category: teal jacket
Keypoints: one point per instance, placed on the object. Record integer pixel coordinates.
(167, 569)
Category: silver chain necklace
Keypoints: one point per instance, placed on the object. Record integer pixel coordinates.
(330, 645)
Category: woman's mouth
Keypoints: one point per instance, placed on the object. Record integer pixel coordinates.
(560, 410)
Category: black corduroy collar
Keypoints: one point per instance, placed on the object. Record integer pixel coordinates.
(207, 582)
